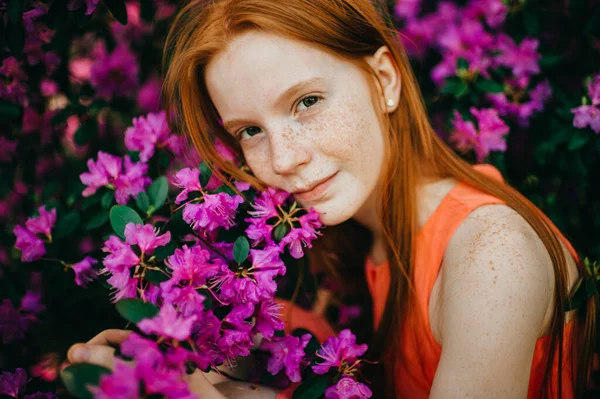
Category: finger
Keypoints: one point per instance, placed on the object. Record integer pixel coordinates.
(101, 355)
(111, 337)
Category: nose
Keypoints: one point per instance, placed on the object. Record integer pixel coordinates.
(288, 151)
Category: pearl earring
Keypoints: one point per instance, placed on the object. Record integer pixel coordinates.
(390, 102)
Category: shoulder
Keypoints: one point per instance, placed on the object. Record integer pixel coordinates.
(495, 292)
(496, 261)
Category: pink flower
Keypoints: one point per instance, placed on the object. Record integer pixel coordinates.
(48, 87)
(32, 247)
(589, 115)
(91, 5)
(188, 301)
(191, 265)
(407, 8)
(494, 11)
(169, 324)
(121, 256)
(146, 237)
(80, 68)
(148, 133)
(43, 223)
(115, 73)
(14, 87)
(268, 318)
(136, 28)
(84, 272)
(46, 367)
(489, 137)
(302, 236)
(31, 303)
(132, 181)
(7, 149)
(286, 352)
(348, 388)
(523, 59)
(105, 170)
(148, 98)
(517, 109)
(217, 210)
(13, 384)
(189, 180)
(337, 351)
(123, 383)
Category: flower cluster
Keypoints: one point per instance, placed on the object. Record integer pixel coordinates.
(14, 385)
(31, 245)
(14, 322)
(489, 136)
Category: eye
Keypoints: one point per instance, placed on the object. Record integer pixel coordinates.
(309, 101)
(249, 131)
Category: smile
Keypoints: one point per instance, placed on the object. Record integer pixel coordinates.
(317, 191)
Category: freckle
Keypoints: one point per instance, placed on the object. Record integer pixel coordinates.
(254, 387)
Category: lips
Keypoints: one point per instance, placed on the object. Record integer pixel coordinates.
(316, 191)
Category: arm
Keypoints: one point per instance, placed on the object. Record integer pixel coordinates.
(496, 289)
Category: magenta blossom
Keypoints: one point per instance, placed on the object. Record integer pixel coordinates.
(84, 272)
(522, 59)
(90, 5)
(339, 351)
(589, 115)
(168, 324)
(13, 384)
(115, 73)
(494, 11)
(146, 237)
(123, 383)
(286, 352)
(488, 138)
(348, 388)
(302, 236)
(268, 318)
(511, 103)
(132, 181)
(148, 98)
(148, 133)
(191, 266)
(14, 87)
(216, 210)
(43, 223)
(31, 246)
(189, 180)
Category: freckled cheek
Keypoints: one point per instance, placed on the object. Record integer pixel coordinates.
(258, 159)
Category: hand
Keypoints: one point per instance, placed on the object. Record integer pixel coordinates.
(99, 350)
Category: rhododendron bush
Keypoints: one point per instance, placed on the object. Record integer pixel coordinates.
(112, 221)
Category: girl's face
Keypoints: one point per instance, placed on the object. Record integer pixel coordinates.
(304, 119)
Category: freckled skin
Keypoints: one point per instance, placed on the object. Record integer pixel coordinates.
(296, 147)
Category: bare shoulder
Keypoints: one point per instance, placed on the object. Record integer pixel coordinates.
(497, 255)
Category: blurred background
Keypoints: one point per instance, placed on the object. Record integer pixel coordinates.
(514, 83)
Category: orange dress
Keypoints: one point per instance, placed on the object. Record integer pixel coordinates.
(418, 344)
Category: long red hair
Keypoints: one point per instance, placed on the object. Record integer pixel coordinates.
(353, 29)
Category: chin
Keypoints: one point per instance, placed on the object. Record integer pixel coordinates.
(333, 212)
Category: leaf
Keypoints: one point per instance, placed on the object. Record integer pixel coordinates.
(241, 249)
(578, 139)
(135, 310)
(155, 277)
(456, 87)
(280, 231)
(205, 174)
(107, 199)
(118, 10)
(312, 388)
(489, 86)
(120, 215)
(9, 111)
(77, 376)
(86, 132)
(165, 251)
(142, 201)
(158, 191)
(67, 224)
(98, 220)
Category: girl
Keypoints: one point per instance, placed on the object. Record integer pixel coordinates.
(468, 279)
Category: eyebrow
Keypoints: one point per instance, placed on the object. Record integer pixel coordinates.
(289, 92)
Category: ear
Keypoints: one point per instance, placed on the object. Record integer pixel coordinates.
(387, 71)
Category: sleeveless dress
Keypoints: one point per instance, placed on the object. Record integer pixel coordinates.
(421, 351)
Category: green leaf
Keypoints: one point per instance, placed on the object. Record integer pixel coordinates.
(77, 376)
(9, 111)
(135, 310)
(455, 87)
(86, 132)
(118, 10)
(225, 189)
(165, 251)
(280, 231)
(107, 199)
(120, 215)
(488, 86)
(157, 192)
(578, 139)
(155, 277)
(313, 388)
(462, 63)
(98, 220)
(241, 249)
(67, 224)
(142, 201)
(205, 174)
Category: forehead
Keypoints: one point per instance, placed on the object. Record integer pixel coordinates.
(257, 66)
